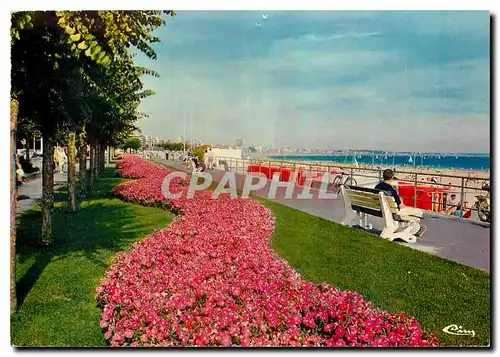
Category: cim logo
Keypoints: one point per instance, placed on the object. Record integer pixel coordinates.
(457, 330)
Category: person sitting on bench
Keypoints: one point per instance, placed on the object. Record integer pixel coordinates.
(387, 188)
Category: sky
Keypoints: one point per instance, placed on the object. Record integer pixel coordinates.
(404, 80)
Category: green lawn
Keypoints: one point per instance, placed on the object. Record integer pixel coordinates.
(436, 291)
(56, 286)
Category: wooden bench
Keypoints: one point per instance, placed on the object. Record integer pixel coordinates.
(362, 202)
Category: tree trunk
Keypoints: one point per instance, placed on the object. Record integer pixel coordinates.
(13, 167)
(28, 158)
(83, 165)
(102, 160)
(47, 189)
(71, 173)
(92, 164)
(96, 160)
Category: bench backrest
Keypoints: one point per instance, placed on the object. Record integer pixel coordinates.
(368, 200)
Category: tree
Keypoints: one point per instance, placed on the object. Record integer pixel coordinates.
(71, 172)
(132, 143)
(82, 149)
(13, 117)
(38, 83)
(174, 146)
(199, 151)
(55, 57)
(47, 46)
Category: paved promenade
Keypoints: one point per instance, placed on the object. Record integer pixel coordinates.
(448, 237)
(31, 192)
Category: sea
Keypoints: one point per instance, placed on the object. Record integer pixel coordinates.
(475, 162)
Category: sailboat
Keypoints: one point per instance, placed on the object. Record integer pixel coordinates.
(410, 160)
(393, 151)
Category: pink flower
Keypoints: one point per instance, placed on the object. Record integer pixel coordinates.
(225, 340)
(339, 331)
(211, 278)
(328, 328)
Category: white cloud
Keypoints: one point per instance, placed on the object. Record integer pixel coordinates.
(381, 109)
(262, 99)
(321, 38)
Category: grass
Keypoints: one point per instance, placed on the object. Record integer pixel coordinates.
(56, 286)
(436, 291)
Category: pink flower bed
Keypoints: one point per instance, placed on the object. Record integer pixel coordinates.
(211, 279)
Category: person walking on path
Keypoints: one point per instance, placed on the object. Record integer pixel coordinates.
(206, 159)
(57, 160)
(20, 176)
(210, 159)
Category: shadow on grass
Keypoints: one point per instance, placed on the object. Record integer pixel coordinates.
(100, 223)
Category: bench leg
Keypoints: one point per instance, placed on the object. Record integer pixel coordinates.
(415, 227)
(349, 218)
(388, 233)
(406, 236)
(407, 233)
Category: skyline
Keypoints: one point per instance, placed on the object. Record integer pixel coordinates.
(300, 150)
(367, 80)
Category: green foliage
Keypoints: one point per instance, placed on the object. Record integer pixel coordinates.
(108, 34)
(73, 72)
(20, 21)
(27, 129)
(199, 151)
(74, 69)
(132, 143)
(100, 35)
(174, 146)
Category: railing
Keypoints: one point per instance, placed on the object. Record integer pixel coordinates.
(465, 186)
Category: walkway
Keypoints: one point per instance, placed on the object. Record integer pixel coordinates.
(32, 189)
(448, 237)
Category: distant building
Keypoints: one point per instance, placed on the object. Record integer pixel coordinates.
(239, 142)
(226, 153)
